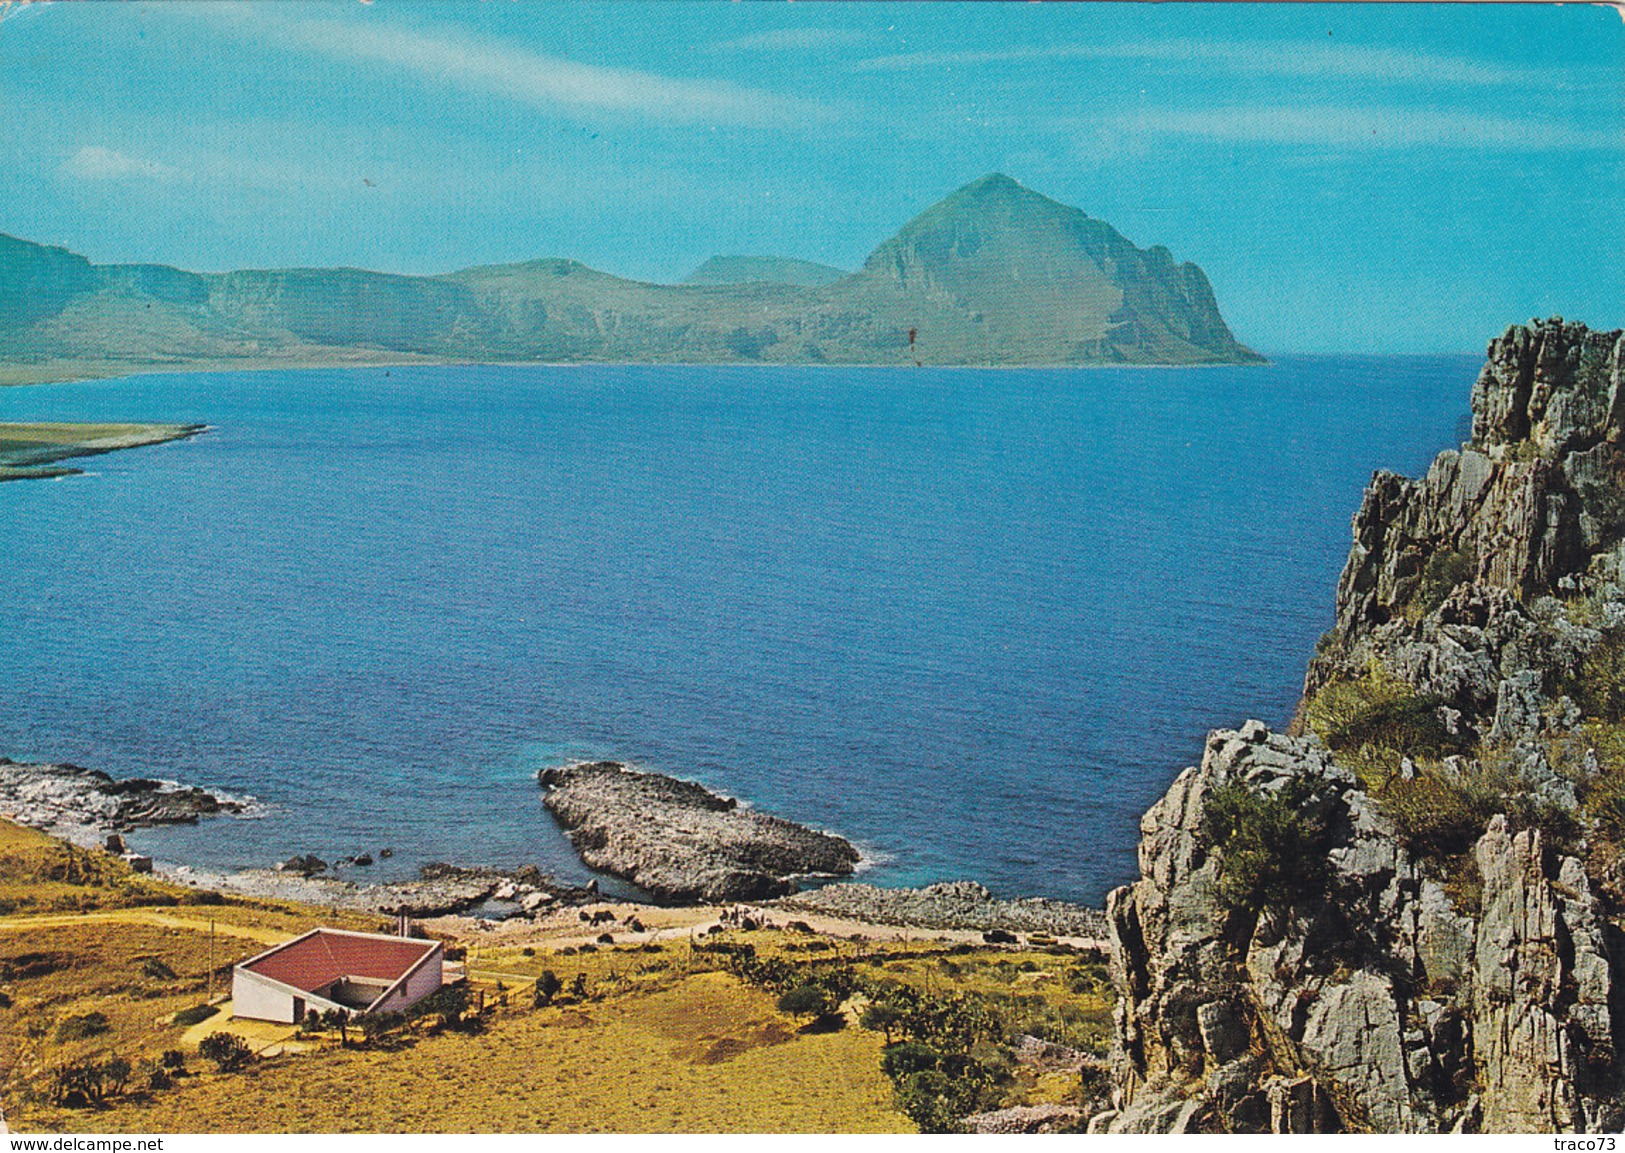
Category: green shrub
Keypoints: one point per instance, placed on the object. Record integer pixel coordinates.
(188, 1017)
(78, 1083)
(227, 1050)
(1271, 850)
(1599, 690)
(938, 1090)
(87, 1083)
(1445, 569)
(1436, 818)
(450, 1002)
(806, 1001)
(376, 1026)
(908, 1057)
(548, 986)
(79, 1027)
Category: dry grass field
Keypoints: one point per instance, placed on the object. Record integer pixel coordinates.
(96, 962)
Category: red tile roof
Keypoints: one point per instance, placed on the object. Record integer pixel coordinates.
(319, 958)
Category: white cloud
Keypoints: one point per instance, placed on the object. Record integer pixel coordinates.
(1306, 59)
(796, 39)
(94, 162)
(1371, 127)
(509, 71)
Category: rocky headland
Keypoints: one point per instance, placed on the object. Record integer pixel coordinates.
(1404, 915)
(680, 842)
(85, 805)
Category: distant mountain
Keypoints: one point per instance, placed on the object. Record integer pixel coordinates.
(764, 270)
(994, 274)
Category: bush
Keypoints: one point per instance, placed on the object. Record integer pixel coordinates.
(806, 1001)
(1271, 849)
(908, 1057)
(83, 1083)
(79, 1027)
(937, 1090)
(227, 1050)
(450, 1002)
(77, 1084)
(339, 1021)
(1440, 815)
(1600, 688)
(376, 1026)
(173, 1060)
(1436, 818)
(1445, 569)
(197, 1013)
(548, 986)
(115, 1074)
(881, 1017)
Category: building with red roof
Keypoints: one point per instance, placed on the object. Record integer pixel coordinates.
(336, 969)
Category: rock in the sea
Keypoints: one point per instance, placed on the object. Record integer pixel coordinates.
(678, 841)
(304, 865)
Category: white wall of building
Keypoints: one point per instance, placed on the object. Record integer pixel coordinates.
(423, 981)
(253, 996)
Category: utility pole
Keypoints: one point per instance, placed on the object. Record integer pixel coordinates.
(209, 1000)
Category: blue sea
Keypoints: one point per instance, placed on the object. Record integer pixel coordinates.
(976, 621)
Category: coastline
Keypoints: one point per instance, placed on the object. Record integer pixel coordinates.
(14, 376)
(34, 450)
(90, 809)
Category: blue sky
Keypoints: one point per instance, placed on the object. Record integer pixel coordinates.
(1361, 178)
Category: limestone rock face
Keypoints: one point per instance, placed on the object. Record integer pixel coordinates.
(1389, 991)
(1449, 576)
(1369, 1002)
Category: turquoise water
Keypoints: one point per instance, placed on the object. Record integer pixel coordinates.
(976, 621)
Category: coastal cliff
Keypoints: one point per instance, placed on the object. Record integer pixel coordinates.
(1403, 915)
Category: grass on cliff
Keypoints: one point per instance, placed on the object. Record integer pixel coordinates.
(1373, 722)
(1455, 785)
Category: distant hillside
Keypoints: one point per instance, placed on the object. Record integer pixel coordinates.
(764, 270)
(992, 275)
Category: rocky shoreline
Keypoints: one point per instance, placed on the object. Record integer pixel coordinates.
(85, 805)
(951, 905)
(440, 890)
(685, 845)
(679, 842)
